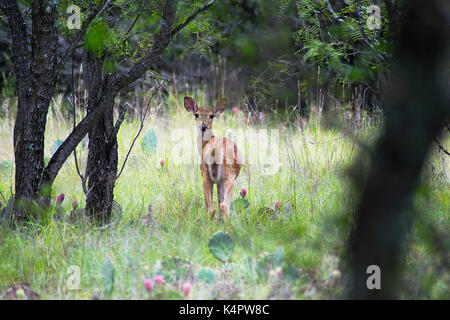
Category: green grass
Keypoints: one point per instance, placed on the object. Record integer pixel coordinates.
(311, 181)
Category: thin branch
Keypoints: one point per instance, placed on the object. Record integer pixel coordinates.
(122, 111)
(1, 194)
(160, 44)
(134, 22)
(66, 148)
(441, 147)
(333, 13)
(143, 116)
(83, 179)
(192, 17)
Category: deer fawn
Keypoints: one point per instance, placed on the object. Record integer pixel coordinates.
(221, 159)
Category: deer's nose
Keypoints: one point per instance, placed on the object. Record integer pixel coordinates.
(204, 127)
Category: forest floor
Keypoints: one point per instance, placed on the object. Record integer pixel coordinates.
(294, 252)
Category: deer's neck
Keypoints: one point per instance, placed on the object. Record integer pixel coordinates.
(203, 138)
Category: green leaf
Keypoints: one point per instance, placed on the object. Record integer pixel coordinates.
(206, 275)
(97, 36)
(150, 141)
(221, 246)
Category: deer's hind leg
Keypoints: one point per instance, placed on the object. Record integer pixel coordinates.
(220, 192)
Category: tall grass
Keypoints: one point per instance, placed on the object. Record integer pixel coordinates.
(311, 228)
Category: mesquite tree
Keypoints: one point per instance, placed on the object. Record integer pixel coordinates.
(101, 169)
(36, 74)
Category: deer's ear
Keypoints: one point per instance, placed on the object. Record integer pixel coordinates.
(221, 104)
(190, 105)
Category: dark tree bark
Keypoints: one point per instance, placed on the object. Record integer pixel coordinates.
(101, 169)
(35, 84)
(36, 74)
(416, 110)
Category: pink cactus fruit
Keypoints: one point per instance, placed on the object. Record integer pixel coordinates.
(186, 289)
(278, 205)
(148, 284)
(279, 271)
(60, 198)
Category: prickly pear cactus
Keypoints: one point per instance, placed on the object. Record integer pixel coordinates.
(221, 246)
(268, 262)
(279, 256)
(175, 268)
(108, 277)
(56, 144)
(150, 141)
(206, 275)
(263, 264)
(291, 273)
(240, 205)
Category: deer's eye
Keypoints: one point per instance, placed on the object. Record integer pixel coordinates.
(196, 115)
(211, 116)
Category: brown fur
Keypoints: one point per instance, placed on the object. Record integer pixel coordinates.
(221, 159)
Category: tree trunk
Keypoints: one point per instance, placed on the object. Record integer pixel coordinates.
(35, 84)
(101, 168)
(417, 108)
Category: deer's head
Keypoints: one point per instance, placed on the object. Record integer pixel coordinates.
(204, 116)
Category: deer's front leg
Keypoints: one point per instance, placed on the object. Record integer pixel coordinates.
(227, 194)
(208, 192)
